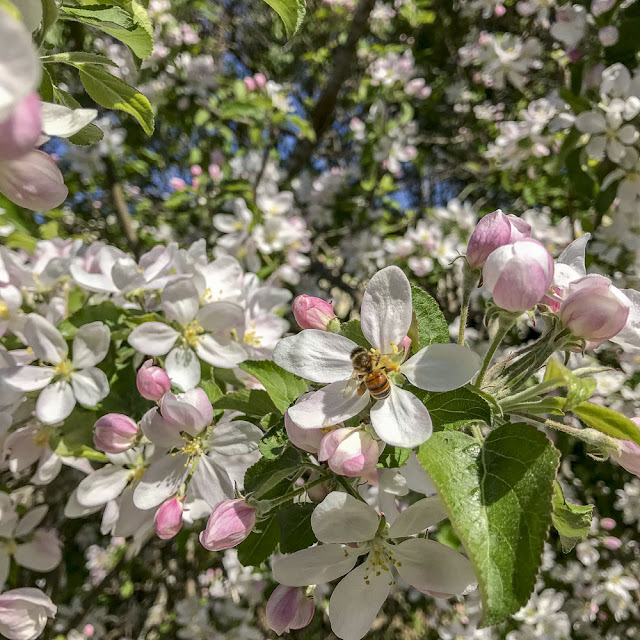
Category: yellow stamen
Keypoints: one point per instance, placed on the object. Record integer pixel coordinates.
(41, 437)
(64, 368)
(191, 334)
(4, 311)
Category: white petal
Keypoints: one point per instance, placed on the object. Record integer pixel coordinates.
(31, 12)
(183, 367)
(61, 121)
(130, 519)
(328, 406)
(90, 345)
(590, 122)
(220, 353)
(159, 431)
(153, 338)
(430, 566)
(319, 356)
(415, 475)
(211, 482)
(219, 318)
(55, 402)
(190, 412)
(5, 565)
(31, 520)
(160, 481)
(235, 438)
(316, 565)
(386, 308)
(73, 509)
(50, 465)
(401, 420)
(90, 386)
(180, 301)
(29, 378)
(342, 518)
(573, 255)
(102, 485)
(44, 339)
(41, 553)
(417, 517)
(8, 516)
(355, 604)
(596, 146)
(442, 367)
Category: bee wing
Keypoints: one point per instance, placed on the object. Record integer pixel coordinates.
(352, 385)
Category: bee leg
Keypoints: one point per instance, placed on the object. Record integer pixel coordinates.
(362, 388)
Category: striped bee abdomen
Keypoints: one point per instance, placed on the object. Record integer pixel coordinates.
(378, 384)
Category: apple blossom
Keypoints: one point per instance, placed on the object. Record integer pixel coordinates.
(69, 380)
(350, 529)
(492, 231)
(168, 518)
(323, 357)
(115, 433)
(312, 313)
(152, 382)
(629, 455)
(351, 452)
(288, 608)
(305, 439)
(230, 522)
(20, 132)
(24, 613)
(518, 275)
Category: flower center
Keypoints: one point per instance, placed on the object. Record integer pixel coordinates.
(192, 448)
(41, 437)
(192, 333)
(64, 368)
(4, 311)
(251, 338)
(10, 546)
(380, 559)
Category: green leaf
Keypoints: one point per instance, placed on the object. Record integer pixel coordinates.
(498, 497)
(291, 12)
(266, 474)
(243, 111)
(353, 331)
(571, 521)
(393, 457)
(77, 57)
(260, 543)
(295, 527)
(89, 134)
(106, 312)
(118, 23)
(283, 387)
(274, 442)
(213, 391)
(429, 324)
(251, 402)
(607, 421)
(75, 436)
(455, 409)
(113, 93)
(49, 16)
(579, 389)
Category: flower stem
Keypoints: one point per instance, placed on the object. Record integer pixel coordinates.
(505, 323)
(469, 283)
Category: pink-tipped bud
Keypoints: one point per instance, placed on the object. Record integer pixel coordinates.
(350, 452)
(88, 630)
(215, 172)
(19, 133)
(260, 80)
(612, 543)
(493, 231)
(405, 344)
(288, 608)
(608, 524)
(628, 458)
(115, 433)
(249, 83)
(195, 170)
(229, 524)
(305, 439)
(168, 518)
(177, 184)
(499, 10)
(312, 313)
(152, 382)
(594, 309)
(518, 275)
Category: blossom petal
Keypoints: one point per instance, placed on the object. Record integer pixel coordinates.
(401, 420)
(328, 406)
(590, 122)
(211, 482)
(5, 565)
(417, 517)
(316, 355)
(183, 367)
(61, 121)
(315, 565)
(220, 317)
(90, 386)
(235, 438)
(442, 367)
(342, 518)
(90, 345)
(191, 412)
(386, 309)
(29, 378)
(153, 338)
(356, 601)
(105, 484)
(180, 301)
(44, 339)
(160, 481)
(42, 553)
(430, 566)
(31, 520)
(225, 353)
(55, 402)
(159, 431)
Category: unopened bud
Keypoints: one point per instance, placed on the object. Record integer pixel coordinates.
(115, 433)
(229, 524)
(628, 457)
(152, 382)
(288, 608)
(168, 518)
(19, 133)
(350, 452)
(312, 313)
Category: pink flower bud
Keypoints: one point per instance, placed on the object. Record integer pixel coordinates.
(594, 309)
(493, 231)
(229, 524)
(260, 80)
(19, 133)
(288, 608)
(215, 172)
(612, 543)
(88, 630)
(518, 275)
(608, 524)
(168, 518)
(152, 382)
(305, 439)
(249, 83)
(115, 433)
(312, 313)
(608, 36)
(499, 10)
(350, 452)
(405, 344)
(177, 184)
(598, 7)
(196, 170)
(628, 458)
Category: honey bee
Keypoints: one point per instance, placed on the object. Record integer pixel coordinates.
(369, 373)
